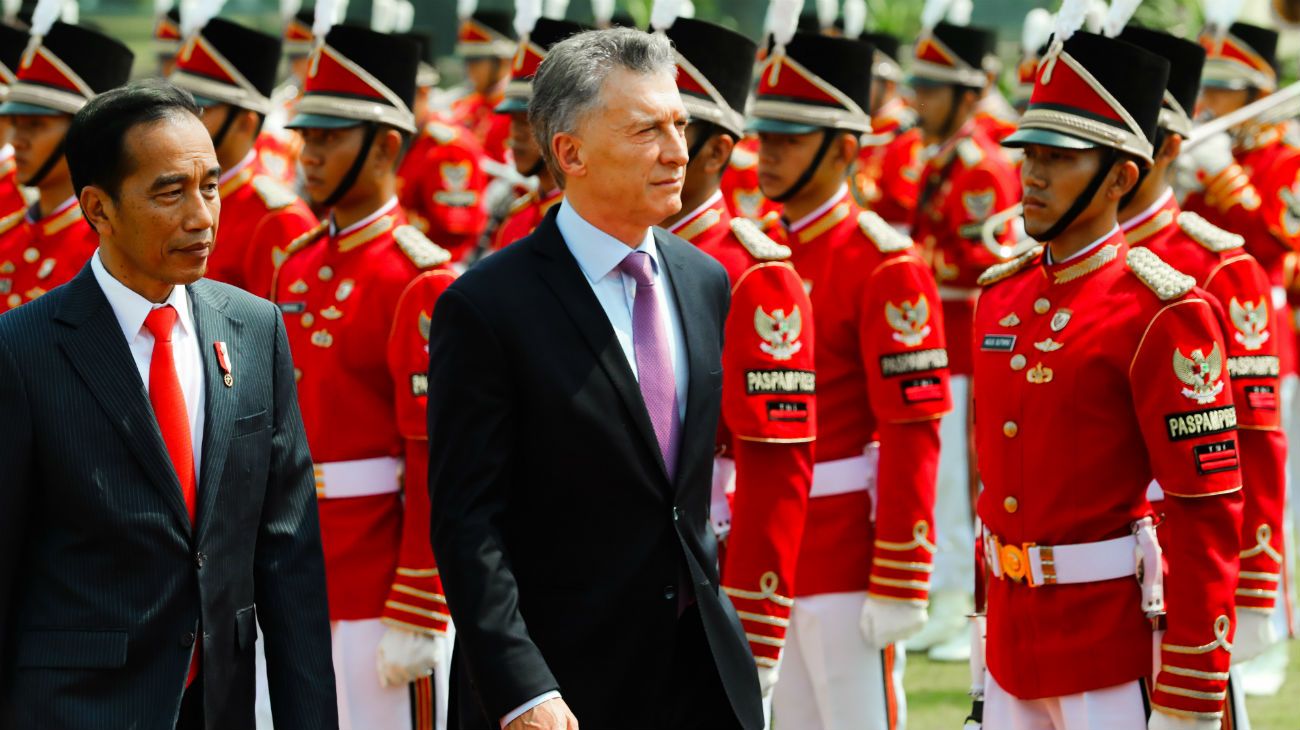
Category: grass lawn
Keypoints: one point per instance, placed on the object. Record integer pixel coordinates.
(937, 700)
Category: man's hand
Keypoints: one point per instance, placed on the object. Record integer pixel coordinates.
(1162, 721)
(405, 656)
(550, 715)
(767, 677)
(1255, 634)
(885, 622)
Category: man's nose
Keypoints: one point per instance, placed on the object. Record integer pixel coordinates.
(674, 152)
(199, 214)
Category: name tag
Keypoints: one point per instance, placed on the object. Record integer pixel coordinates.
(293, 307)
(998, 343)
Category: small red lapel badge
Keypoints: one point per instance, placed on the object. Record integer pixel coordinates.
(223, 358)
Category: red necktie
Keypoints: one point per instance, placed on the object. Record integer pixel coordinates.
(173, 419)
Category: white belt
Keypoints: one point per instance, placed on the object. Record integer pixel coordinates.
(844, 476)
(358, 478)
(724, 483)
(958, 294)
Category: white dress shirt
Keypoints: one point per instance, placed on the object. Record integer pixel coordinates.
(598, 255)
(131, 309)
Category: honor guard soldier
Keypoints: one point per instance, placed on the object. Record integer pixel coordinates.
(441, 184)
(765, 438)
(1099, 368)
(64, 67)
(887, 178)
(340, 290)
(882, 385)
(740, 189)
(12, 203)
(1218, 261)
(966, 179)
(486, 43)
(528, 209)
(231, 70)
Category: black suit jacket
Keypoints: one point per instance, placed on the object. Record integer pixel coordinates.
(559, 535)
(103, 582)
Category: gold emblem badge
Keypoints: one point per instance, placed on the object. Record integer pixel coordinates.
(307, 320)
(331, 312)
(31, 255)
(910, 320)
(1251, 322)
(1200, 373)
(1060, 319)
(1011, 320)
(426, 321)
(1047, 345)
(455, 174)
(322, 338)
(7, 267)
(325, 273)
(1041, 305)
(779, 331)
(346, 287)
(1039, 375)
(298, 287)
(47, 268)
(978, 204)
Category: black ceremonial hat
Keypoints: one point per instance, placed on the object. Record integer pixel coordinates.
(715, 67)
(954, 54)
(226, 63)
(815, 82)
(886, 60)
(359, 75)
(1186, 61)
(67, 68)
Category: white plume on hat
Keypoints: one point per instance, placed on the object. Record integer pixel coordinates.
(555, 9)
(526, 14)
(827, 12)
(392, 16)
(601, 10)
(959, 12)
(784, 16)
(1037, 31)
(855, 18)
(664, 13)
(329, 13)
(931, 13)
(465, 8)
(195, 15)
(1221, 14)
(1120, 13)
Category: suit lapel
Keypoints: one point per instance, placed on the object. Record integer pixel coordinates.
(697, 333)
(93, 342)
(213, 325)
(566, 280)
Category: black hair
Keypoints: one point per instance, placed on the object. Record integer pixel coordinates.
(95, 143)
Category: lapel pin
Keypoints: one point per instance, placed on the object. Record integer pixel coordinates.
(223, 358)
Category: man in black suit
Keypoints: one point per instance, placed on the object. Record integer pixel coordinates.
(156, 484)
(573, 400)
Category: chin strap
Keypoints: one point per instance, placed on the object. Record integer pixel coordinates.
(1144, 171)
(353, 172)
(224, 129)
(1109, 156)
(828, 136)
(50, 162)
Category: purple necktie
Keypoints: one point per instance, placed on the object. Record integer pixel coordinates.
(654, 362)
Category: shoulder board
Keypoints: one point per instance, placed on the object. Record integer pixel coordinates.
(969, 152)
(441, 133)
(756, 242)
(1007, 269)
(743, 159)
(1207, 234)
(310, 236)
(272, 193)
(1163, 279)
(886, 237)
(419, 249)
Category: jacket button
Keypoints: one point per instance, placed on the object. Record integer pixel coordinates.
(1010, 429)
(1042, 305)
(1010, 504)
(200, 559)
(188, 639)
(677, 513)
(1018, 362)
(669, 593)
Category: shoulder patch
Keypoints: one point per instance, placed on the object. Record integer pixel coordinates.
(756, 242)
(886, 237)
(272, 193)
(1207, 234)
(743, 159)
(441, 133)
(419, 249)
(1007, 269)
(969, 152)
(1163, 279)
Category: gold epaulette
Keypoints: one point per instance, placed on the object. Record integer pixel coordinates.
(756, 242)
(8, 222)
(279, 255)
(1007, 269)
(441, 133)
(272, 193)
(1163, 279)
(419, 249)
(969, 152)
(886, 237)
(1207, 234)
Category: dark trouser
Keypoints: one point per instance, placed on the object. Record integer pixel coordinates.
(191, 715)
(693, 695)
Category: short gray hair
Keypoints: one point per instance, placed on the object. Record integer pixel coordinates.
(570, 79)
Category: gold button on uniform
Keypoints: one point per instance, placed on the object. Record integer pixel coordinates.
(1010, 429)
(1018, 362)
(1042, 305)
(1010, 504)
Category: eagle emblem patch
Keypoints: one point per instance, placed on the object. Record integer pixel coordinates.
(779, 331)
(1202, 374)
(910, 320)
(1251, 322)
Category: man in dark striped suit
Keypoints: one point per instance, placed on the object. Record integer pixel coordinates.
(156, 492)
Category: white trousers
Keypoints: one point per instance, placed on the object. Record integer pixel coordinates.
(954, 531)
(831, 679)
(1113, 708)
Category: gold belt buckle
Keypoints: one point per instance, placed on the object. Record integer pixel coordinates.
(1014, 560)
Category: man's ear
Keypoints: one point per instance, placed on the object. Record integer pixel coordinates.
(248, 122)
(1170, 149)
(847, 148)
(1124, 177)
(98, 207)
(566, 152)
(717, 153)
(387, 148)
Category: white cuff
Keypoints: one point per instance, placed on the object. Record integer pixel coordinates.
(520, 710)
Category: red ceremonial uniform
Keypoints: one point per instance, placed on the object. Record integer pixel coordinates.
(416, 601)
(1092, 377)
(11, 195)
(477, 113)
(882, 378)
(740, 183)
(1221, 266)
(526, 212)
(765, 437)
(441, 187)
(258, 214)
(36, 256)
(888, 175)
(339, 295)
(277, 153)
(966, 182)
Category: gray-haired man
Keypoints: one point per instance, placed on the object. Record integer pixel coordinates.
(573, 397)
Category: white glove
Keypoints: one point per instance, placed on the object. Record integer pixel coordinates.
(885, 622)
(767, 677)
(1162, 721)
(1255, 634)
(405, 656)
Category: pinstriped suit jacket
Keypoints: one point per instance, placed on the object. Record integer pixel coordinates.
(104, 585)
